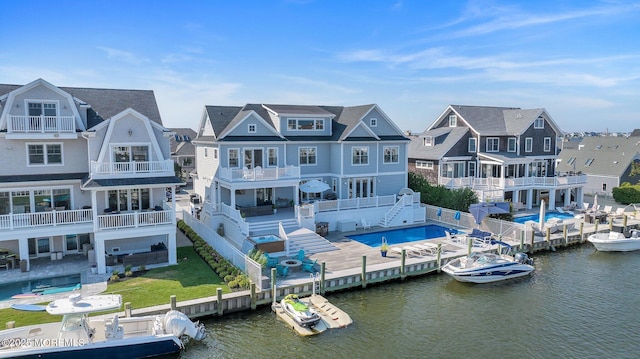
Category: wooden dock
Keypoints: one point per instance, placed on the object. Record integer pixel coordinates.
(331, 317)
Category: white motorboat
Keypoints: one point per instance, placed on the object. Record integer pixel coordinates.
(88, 337)
(615, 242)
(299, 311)
(489, 267)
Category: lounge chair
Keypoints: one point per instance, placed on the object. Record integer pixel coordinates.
(428, 248)
(409, 250)
(301, 256)
(272, 262)
(619, 213)
(607, 209)
(365, 224)
(282, 270)
(309, 266)
(454, 239)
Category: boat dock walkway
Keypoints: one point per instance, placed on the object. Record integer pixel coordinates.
(331, 316)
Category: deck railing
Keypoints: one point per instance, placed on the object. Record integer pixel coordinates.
(511, 183)
(259, 174)
(128, 168)
(41, 124)
(41, 219)
(135, 219)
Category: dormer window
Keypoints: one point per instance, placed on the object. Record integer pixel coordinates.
(539, 122)
(373, 122)
(177, 138)
(305, 124)
(427, 141)
(186, 138)
(453, 120)
(42, 108)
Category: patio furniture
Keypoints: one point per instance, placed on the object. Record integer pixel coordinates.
(309, 266)
(272, 262)
(282, 270)
(4, 262)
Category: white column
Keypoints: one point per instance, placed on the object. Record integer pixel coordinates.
(552, 199)
(515, 197)
(173, 254)
(580, 196)
(99, 252)
(529, 198)
(23, 245)
(567, 197)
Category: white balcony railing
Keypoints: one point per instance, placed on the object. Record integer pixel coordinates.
(135, 219)
(41, 124)
(512, 183)
(259, 174)
(83, 216)
(41, 219)
(128, 168)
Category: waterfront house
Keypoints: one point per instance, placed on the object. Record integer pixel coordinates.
(501, 153)
(183, 152)
(253, 162)
(606, 161)
(85, 171)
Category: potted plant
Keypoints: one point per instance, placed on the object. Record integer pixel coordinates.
(275, 209)
(384, 249)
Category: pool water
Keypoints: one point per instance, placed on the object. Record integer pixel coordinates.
(547, 216)
(9, 289)
(396, 236)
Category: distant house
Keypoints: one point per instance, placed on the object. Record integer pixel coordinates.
(84, 171)
(501, 153)
(606, 161)
(183, 152)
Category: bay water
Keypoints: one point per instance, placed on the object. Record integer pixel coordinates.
(579, 303)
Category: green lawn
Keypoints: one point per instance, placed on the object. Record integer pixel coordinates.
(191, 278)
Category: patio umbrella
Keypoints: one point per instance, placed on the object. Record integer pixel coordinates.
(439, 213)
(457, 217)
(480, 210)
(595, 202)
(542, 214)
(314, 186)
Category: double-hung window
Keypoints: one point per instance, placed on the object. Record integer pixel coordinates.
(511, 144)
(44, 154)
(391, 154)
(493, 144)
(473, 145)
(233, 157)
(547, 144)
(528, 144)
(307, 155)
(360, 156)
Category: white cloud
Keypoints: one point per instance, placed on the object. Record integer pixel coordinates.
(123, 55)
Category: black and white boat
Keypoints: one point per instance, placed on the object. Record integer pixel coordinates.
(299, 311)
(99, 337)
(489, 267)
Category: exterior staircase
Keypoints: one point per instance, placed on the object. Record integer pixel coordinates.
(309, 241)
(299, 237)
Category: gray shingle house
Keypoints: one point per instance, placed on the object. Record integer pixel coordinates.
(84, 172)
(502, 153)
(183, 151)
(605, 160)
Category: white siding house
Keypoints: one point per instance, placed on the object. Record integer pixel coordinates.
(84, 172)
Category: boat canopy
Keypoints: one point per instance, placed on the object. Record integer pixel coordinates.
(76, 304)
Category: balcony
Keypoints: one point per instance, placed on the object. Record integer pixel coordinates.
(106, 169)
(497, 183)
(259, 174)
(135, 219)
(42, 219)
(41, 124)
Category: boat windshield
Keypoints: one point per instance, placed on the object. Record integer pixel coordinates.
(71, 323)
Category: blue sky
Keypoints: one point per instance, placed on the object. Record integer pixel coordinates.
(578, 59)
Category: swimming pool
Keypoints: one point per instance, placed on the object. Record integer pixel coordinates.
(402, 235)
(547, 216)
(9, 289)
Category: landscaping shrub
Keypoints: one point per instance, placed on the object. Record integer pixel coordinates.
(225, 269)
(626, 193)
(456, 199)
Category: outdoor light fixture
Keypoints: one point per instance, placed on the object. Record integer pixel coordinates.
(130, 132)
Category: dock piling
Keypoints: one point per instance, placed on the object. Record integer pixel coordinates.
(172, 302)
(364, 272)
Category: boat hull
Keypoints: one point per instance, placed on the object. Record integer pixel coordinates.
(487, 274)
(164, 346)
(602, 243)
